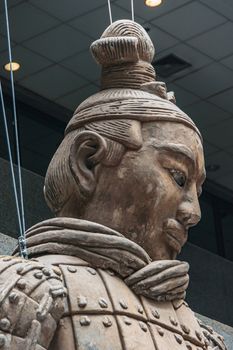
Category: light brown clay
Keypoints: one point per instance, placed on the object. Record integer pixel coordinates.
(124, 187)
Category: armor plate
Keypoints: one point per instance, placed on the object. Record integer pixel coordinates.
(107, 315)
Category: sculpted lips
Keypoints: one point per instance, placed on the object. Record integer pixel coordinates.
(176, 234)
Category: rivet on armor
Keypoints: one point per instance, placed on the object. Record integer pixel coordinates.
(71, 269)
(127, 321)
(46, 272)
(14, 298)
(82, 301)
(160, 330)
(143, 326)
(2, 340)
(58, 291)
(185, 329)
(173, 321)
(123, 304)
(56, 270)
(91, 271)
(21, 284)
(38, 275)
(103, 303)
(84, 321)
(178, 338)
(140, 309)
(107, 322)
(155, 313)
(199, 336)
(19, 269)
(5, 324)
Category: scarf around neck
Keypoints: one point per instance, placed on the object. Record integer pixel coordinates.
(105, 248)
(99, 245)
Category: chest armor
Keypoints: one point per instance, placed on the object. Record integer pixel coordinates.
(102, 313)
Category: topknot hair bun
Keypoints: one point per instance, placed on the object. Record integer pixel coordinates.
(123, 41)
(129, 90)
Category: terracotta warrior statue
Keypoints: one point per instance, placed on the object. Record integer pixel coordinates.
(124, 187)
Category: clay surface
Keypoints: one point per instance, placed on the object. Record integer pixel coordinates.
(124, 187)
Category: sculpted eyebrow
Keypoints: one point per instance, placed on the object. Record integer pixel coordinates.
(176, 149)
(183, 151)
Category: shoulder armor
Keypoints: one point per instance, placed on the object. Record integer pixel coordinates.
(216, 341)
(31, 303)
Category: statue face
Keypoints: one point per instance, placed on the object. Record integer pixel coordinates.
(152, 196)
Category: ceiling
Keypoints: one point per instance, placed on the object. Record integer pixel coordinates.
(51, 39)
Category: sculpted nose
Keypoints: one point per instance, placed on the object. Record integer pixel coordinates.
(189, 212)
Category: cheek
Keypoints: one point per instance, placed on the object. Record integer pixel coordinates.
(168, 196)
(149, 192)
(148, 185)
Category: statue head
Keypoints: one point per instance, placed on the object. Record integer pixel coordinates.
(130, 158)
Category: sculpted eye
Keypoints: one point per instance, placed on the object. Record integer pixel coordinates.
(178, 176)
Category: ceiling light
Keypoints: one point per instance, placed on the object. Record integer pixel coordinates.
(13, 65)
(153, 3)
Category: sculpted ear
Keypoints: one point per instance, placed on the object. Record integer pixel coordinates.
(86, 154)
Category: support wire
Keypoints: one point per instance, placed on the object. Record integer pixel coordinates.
(110, 11)
(132, 9)
(10, 157)
(22, 244)
(15, 118)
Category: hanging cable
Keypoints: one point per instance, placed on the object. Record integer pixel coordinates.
(15, 120)
(20, 208)
(10, 158)
(110, 11)
(132, 9)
